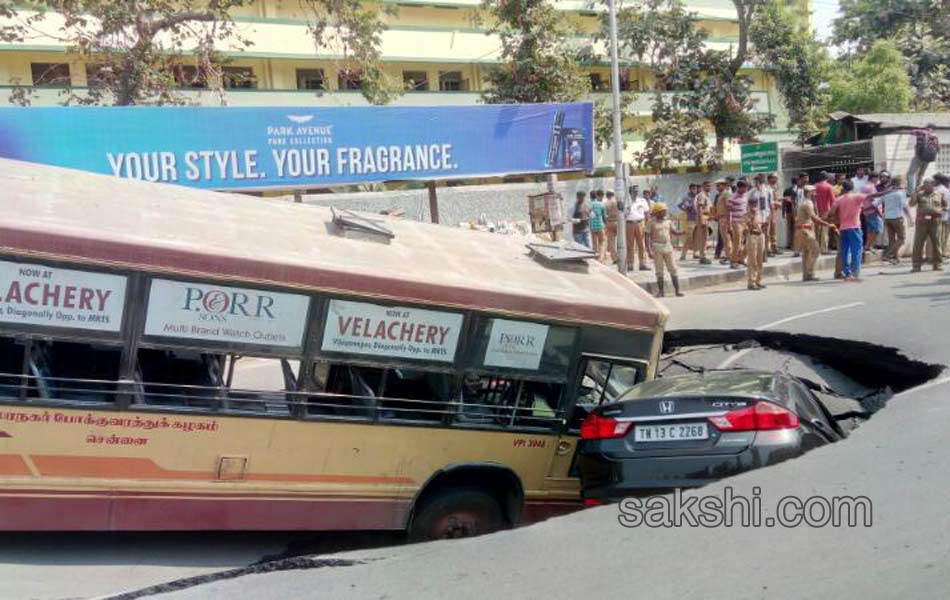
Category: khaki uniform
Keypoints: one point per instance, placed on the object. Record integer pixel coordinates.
(755, 246)
(722, 217)
(807, 240)
(775, 215)
(659, 236)
(613, 215)
(701, 233)
(929, 209)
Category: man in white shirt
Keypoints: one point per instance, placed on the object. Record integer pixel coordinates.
(860, 179)
(761, 195)
(635, 213)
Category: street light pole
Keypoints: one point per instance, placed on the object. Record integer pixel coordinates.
(619, 190)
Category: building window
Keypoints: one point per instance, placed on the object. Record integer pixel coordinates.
(598, 83)
(452, 81)
(50, 74)
(311, 79)
(416, 81)
(98, 75)
(188, 76)
(238, 78)
(349, 79)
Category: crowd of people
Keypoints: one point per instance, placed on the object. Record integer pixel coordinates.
(838, 213)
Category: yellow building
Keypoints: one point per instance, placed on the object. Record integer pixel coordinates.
(433, 46)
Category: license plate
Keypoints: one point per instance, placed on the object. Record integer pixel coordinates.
(670, 433)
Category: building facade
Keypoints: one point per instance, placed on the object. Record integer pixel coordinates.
(434, 47)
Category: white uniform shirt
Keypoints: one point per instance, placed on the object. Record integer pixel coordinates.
(637, 209)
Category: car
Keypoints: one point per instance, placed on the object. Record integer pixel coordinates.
(689, 430)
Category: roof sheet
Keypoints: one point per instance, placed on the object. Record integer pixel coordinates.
(97, 218)
(939, 119)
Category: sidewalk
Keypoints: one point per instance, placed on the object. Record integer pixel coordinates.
(694, 275)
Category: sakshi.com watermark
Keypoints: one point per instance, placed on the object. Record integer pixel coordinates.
(730, 509)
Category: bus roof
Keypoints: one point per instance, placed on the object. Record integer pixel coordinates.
(61, 213)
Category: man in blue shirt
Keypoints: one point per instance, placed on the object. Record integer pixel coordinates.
(893, 202)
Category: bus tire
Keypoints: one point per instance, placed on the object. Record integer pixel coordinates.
(456, 513)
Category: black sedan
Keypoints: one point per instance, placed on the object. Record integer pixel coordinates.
(689, 430)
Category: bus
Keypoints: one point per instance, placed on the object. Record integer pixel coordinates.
(178, 359)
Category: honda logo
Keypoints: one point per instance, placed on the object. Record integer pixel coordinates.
(666, 407)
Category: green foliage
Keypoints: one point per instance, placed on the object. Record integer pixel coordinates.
(787, 50)
(876, 82)
(354, 31)
(143, 51)
(675, 137)
(919, 29)
(537, 62)
(695, 84)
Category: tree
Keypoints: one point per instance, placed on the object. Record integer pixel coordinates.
(354, 30)
(859, 85)
(787, 50)
(662, 35)
(725, 93)
(144, 51)
(537, 62)
(701, 83)
(920, 30)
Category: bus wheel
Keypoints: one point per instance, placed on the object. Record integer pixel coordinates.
(457, 513)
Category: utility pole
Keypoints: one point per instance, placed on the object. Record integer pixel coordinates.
(619, 190)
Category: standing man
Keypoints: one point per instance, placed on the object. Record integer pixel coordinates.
(738, 206)
(598, 223)
(894, 204)
(581, 221)
(930, 206)
(636, 214)
(754, 224)
(722, 219)
(806, 221)
(824, 200)
(790, 201)
(688, 206)
(847, 209)
(660, 234)
(838, 187)
(702, 220)
(613, 215)
(761, 195)
(860, 179)
(775, 214)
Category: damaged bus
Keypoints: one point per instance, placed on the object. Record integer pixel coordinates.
(176, 359)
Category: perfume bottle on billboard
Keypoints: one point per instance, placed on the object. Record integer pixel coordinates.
(555, 143)
(573, 148)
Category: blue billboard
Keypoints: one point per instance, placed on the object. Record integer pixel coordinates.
(299, 147)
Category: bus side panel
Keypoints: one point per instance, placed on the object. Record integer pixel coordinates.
(74, 469)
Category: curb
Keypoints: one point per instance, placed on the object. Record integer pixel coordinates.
(786, 271)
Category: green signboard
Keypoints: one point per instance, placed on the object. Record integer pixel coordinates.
(759, 158)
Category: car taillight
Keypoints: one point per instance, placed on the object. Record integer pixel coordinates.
(596, 427)
(762, 416)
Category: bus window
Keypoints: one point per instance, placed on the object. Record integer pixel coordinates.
(345, 390)
(255, 384)
(11, 368)
(604, 381)
(73, 371)
(492, 400)
(416, 395)
(180, 377)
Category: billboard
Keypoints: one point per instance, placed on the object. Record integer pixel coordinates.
(299, 147)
